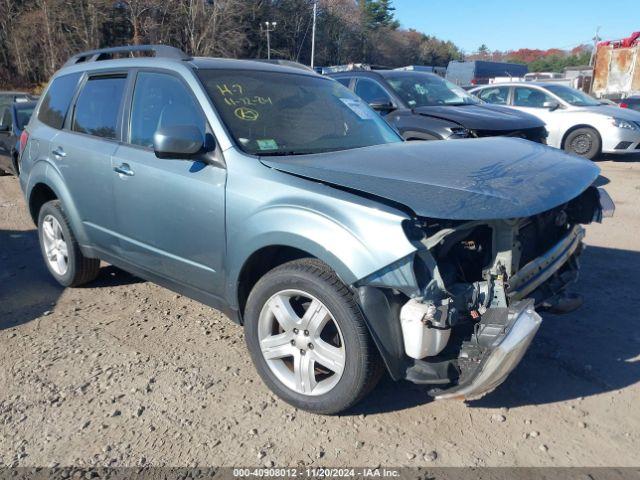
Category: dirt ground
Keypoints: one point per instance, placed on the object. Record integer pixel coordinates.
(126, 373)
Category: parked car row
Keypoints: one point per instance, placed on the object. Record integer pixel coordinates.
(279, 197)
(423, 106)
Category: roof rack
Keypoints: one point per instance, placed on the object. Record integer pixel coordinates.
(163, 51)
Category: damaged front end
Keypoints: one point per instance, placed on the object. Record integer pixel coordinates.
(463, 307)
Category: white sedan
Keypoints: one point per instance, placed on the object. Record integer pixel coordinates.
(576, 122)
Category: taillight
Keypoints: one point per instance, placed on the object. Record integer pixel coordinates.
(624, 105)
(24, 138)
(474, 81)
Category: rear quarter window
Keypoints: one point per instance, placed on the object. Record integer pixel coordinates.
(56, 102)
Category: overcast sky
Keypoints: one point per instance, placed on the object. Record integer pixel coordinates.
(514, 24)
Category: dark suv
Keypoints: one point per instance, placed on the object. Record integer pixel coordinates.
(423, 106)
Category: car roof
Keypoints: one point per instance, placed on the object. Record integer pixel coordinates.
(518, 84)
(198, 63)
(405, 73)
(250, 64)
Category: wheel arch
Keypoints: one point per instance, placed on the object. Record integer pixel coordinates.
(40, 194)
(573, 128)
(259, 263)
(45, 184)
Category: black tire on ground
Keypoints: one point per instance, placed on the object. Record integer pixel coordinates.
(16, 165)
(3, 173)
(363, 365)
(80, 269)
(584, 142)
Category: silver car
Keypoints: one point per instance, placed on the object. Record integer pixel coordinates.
(280, 198)
(576, 122)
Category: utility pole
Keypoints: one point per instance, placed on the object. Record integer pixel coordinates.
(596, 39)
(313, 33)
(270, 27)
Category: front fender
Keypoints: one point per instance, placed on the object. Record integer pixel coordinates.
(354, 240)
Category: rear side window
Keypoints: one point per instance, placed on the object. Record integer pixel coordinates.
(98, 105)
(57, 100)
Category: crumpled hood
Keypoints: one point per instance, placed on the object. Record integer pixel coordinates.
(483, 117)
(474, 179)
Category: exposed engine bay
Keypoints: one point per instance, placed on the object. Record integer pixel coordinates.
(479, 284)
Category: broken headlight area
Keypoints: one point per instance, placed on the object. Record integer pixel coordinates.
(467, 314)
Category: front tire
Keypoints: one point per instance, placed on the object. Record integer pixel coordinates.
(584, 142)
(60, 249)
(308, 339)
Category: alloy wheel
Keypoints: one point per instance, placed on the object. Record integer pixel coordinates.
(301, 342)
(55, 246)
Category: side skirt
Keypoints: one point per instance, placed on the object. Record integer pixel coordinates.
(196, 294)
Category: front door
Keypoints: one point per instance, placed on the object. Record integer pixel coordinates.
(531, 100)
(170, 212)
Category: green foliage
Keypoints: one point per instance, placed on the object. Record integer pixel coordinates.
(378, 13)
(557, 63)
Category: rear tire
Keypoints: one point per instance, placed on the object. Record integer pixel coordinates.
(302, 290)
(60, 249)
(583, 142)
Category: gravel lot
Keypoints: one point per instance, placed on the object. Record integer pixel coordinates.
(124, 372)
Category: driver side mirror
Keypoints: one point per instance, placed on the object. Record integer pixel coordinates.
(178, 142)
(382, 106)
(551, 105)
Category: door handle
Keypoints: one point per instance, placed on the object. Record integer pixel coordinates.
(124, 169)
(59, 152)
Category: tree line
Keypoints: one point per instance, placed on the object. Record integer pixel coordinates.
(551, 60)
(38, 36)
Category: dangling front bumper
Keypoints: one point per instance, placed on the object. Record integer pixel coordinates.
(501, 341)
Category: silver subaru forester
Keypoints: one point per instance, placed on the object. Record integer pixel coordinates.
(278, 197)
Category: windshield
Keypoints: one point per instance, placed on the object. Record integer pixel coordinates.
(426, 90)
(572, 96)
(23, 114)
(274, 113)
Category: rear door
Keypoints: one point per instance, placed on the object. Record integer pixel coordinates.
(82, 152)
(170, 212)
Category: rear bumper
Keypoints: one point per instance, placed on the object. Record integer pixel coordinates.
(497, 349)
